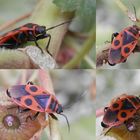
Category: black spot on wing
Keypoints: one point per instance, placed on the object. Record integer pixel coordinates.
(42, 100)
(127, 38)
(127, 105)
(33, 88)
(123, 115)
(28, 102)
(115, 105)
(126, 50)
(116, 42)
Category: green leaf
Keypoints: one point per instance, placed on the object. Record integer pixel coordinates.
(85, 11)
(67, 5)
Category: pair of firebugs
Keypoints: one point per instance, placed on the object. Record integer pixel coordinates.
(122, 110)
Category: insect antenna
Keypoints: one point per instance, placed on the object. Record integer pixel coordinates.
(68, 124)
(75, 100)
(58, 25)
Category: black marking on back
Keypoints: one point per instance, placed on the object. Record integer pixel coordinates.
(42, 100)
(21, 37)
(10, 41)
(123, 115)
(127, 38)
(136, 100)
(115, 105)
(28, 102)
(19, 98)
(133, 30)
(116, 42)
(33, 88)
(52, 104)
(115, 54)
(127, 105)
(126, 50)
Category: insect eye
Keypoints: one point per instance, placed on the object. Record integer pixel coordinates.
(59, 109)
(105, 109)
(41, 30)
(104, 125)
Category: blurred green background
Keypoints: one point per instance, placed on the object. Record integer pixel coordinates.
(109, 19)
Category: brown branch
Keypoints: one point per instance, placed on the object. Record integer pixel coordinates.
(102, 57)
(14, 21)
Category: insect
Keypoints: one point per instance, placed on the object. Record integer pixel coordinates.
(33, 97)
(121, 111)
(123, 44)
(29, 32)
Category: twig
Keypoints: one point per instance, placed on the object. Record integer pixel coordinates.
(102, 57)
(14, 21)
(78, 35)
(87, 46)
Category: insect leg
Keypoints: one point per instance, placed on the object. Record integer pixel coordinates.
(23, 110)
(113, 35)
(19, 109)
(111, 64)
(45, 36)
(53, 116)
(33, 38)
(32, 117)
(38, 46)
(47, 47)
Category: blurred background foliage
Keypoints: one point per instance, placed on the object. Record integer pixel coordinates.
(110, 18)
(80, 39)
(72, 89)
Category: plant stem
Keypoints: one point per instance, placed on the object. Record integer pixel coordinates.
(87, 46)
(14, 21)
